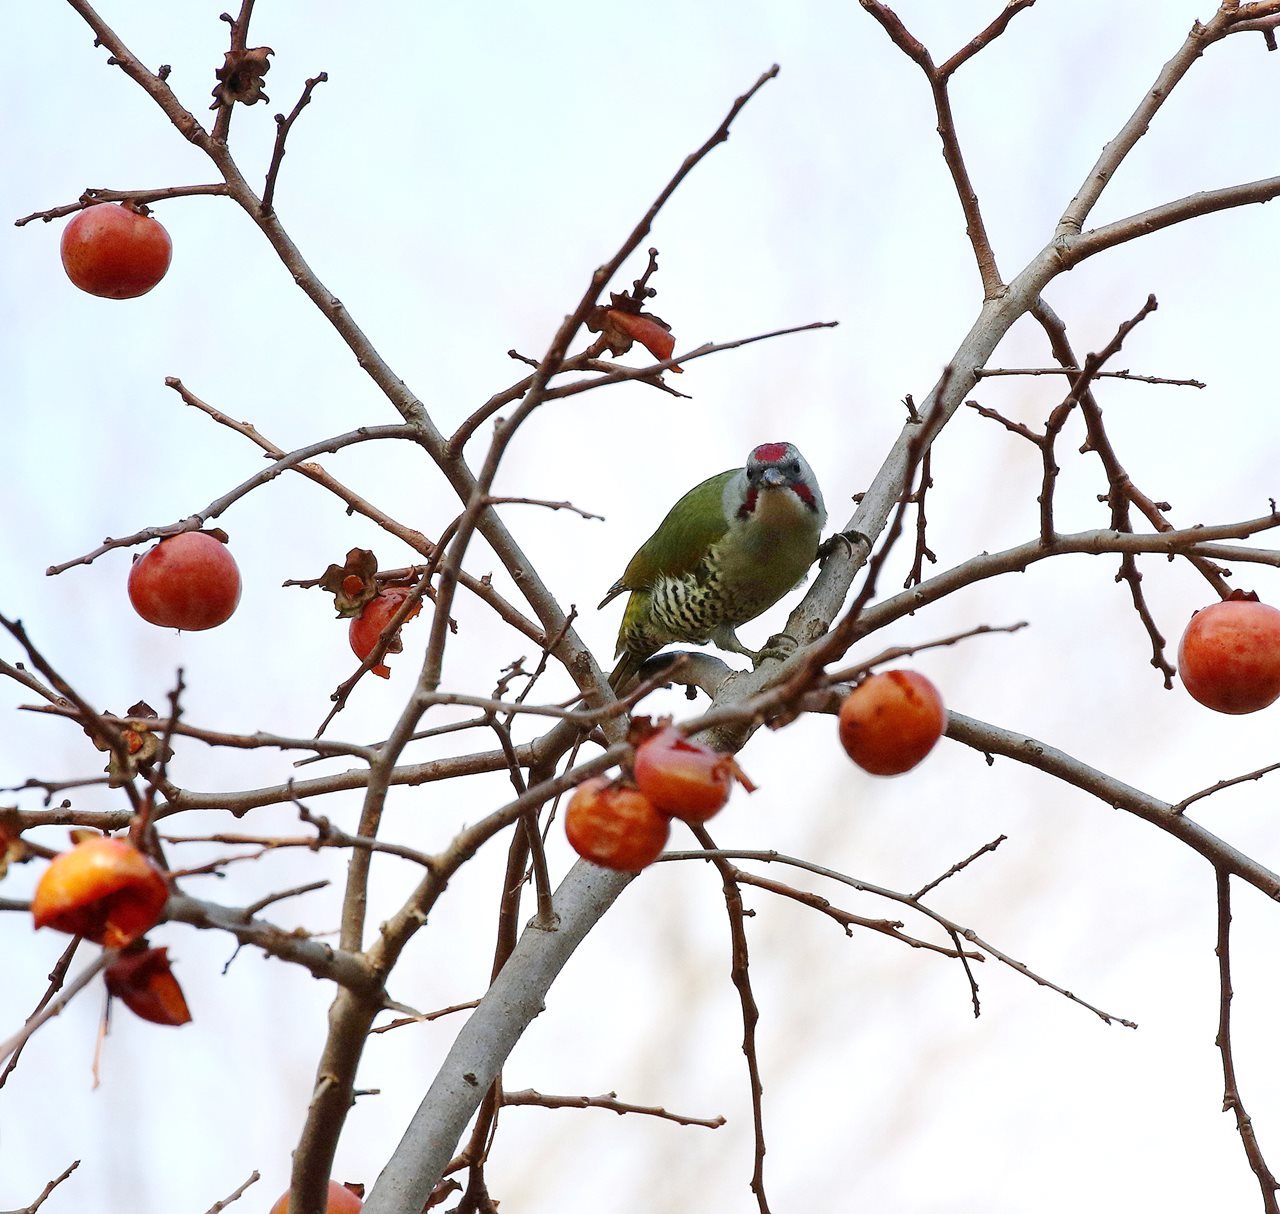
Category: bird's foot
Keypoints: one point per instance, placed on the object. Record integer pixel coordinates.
(849, 539)
(777, 648)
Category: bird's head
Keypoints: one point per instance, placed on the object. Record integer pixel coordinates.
(774, 467)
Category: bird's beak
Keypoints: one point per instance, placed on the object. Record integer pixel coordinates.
(771, 478)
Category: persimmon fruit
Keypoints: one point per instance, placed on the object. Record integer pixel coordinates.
(890, 721)
(188, 581)
(681, 777)
(368, 626)
(341, 1200)
(103, 889)
(115, 252)
(615, 826)
(1229, 655)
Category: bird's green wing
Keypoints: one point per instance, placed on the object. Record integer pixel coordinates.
(692, 525)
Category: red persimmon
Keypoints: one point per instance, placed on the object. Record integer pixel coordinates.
(341, 1200)
(367, 627)
(683, 778)
(114, 252)
(188, 581)
(890, 721)
(103, 889)
(1229, 655)
(615, 826)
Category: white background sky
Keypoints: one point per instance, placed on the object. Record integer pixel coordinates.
(455, 183)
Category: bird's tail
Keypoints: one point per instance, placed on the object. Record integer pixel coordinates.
(624, 673)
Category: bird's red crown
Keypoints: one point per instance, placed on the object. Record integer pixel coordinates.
(769, 453)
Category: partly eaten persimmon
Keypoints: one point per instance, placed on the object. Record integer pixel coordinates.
(683, 778)
(890, 721)
(615, 826)
(103, 889)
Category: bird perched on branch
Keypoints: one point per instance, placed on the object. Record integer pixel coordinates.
(727, 551)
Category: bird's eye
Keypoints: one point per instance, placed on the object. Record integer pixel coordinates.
(793, 467)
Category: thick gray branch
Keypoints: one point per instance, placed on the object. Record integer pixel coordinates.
(481, 1048)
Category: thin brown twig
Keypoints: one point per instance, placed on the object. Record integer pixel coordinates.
(93, 720)
(549, 505)
(609, 1101)
(939, 78)
(544, 659)
(652, 379)
(51, 788)
(612, 373)
(481, 587)
(166, 733)
(1231, 1099)
(49, 1188)
(349, 970)
(1021, 429)
(533, 849)
(847, 919)
(923, 552)
(957, 868)
(219, 1206)
(1078, 393)
(93, 196)
(970, 976)
(239, 41)
(425, 1017)
(327, 835)
(993, 372)
(57, 977)
(1122, 491)
(1182, 806)
(1049, 468)
(627, 374)
(948, 925)
(499, 400)
(53, 1007)
(296, 891)
(895, 652)
(194, 522)
(987, 36)
(312, 471)
(584, 716)
(740, 975)
(20, 674)
(324, 748)
(283, 126)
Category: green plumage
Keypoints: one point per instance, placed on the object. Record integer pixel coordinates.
(726, 551)
(692, 525)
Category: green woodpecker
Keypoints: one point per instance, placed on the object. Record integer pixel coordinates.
(728, 550)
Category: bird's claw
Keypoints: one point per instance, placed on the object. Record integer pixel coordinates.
(778, 647)
(847, 538)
